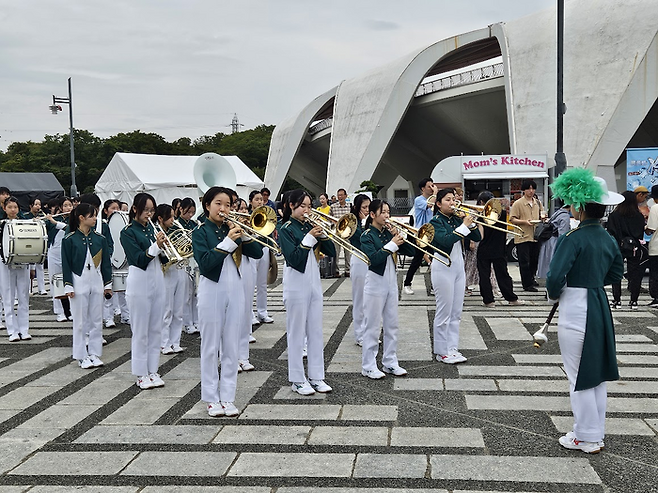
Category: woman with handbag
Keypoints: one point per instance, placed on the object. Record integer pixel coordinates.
(626, 225)
(561, 222)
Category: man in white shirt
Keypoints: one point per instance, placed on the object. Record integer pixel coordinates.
(651, 227)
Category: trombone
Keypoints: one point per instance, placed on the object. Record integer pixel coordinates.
(339, 230)
(262, 222)
(423, 237)
(487, 215)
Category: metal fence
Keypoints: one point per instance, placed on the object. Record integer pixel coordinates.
(462, 79)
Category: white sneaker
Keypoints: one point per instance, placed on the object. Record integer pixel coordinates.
(110, 323)
(43, 293)
(373, 374)
(459, 357)
(245, 365)
(117, 311)
(62, 318)
(305, 352)
(359, 343)
(156, 380)
(86, 363)
(177, 348)
(25, 337)
(449, 359)
(302, 388)
(71, 318)
(569, 441)
(398, 371)
(125, 321)
(14, 338)
(407, 290)
(215, 409)
(266, 319)
(320, 386)
(144, 382)
(252, 339)
(104, 342)
(254, 321)
(95, 360)
(167, 350)
(229, 409)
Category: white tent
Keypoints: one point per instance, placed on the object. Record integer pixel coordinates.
(164, 177)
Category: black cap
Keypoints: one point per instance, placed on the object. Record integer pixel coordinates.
(654, 192)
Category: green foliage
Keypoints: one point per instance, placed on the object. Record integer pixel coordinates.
(93, 154)
(370, 186)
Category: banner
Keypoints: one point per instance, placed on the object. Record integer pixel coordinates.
(641, 167)
(504, 164)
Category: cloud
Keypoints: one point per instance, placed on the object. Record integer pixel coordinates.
(378, 25)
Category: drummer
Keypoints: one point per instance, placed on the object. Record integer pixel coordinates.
(15, 284)
(33, 213)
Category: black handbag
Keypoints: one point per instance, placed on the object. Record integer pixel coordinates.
(545, 231)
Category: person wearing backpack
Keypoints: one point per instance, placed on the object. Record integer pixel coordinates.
(626, 225)
(561, 221)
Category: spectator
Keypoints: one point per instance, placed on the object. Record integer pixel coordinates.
(652, 225)
(423, 205)
(642, 195)
(561, 218)
(524, 211)
(325, 208)
(339, 209)
(265, 192)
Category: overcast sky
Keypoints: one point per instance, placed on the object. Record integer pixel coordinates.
(183, 68)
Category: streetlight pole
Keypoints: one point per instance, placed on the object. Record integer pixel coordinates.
(560, 157)
(55, 108)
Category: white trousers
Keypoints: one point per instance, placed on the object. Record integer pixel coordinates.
(221, 309)
(247, 269)
(86, 309)
(380, 305)
(449, 285)
(145, 293)
(588, 406)
(41, 280)
(261, 266)
(190, 310)
(176, 286)
(55, 267)
(358, 271)
(15, 284)
(302, 297)
(118, 300)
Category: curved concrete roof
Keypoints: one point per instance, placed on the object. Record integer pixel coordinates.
(610, 86)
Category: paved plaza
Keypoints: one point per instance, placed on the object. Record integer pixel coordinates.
(487, 425)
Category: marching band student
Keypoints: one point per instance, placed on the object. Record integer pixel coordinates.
(145, 290)
(190, 311)
(247, 274)
(175, 279)
(261, 267)
(35, 211)
(117, 304)
(302, 292)
(380, 300)
(175, 205)
(219, 249)
(448, 282)
(15, 284)
(358, 268)
(87, 273)
(55, 227)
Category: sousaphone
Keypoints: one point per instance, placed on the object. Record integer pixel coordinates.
(213, 170)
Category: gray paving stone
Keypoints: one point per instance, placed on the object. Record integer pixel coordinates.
(469, 335)
(526, 469)
(514, 385)
(180, 434)
(632, 387)
(140, 411)
(517, 402)
(20, 489)
(510, 371)
(83, 489)
(470, 384)
(349, 435)
(402, 489)
(637, 348)
(207, 489)
(390, 466)
(509, 329)
(613, 426)
(38, 436)
(186, 370)
(635, 372)
(180, 464)
(257, 434)
(23, 397)
(60, 377)
(632, 405)
(14, 451)
(436, 437)
(60, 417)
(653, 423)
(418, 384)
(75, 463)
(369, 413)
(287, 393)
(632, 338)
(101, 390)
(174, 389)
(291, 412)
(5, 414)
(35, 341)
(538, 359)
(293, 465)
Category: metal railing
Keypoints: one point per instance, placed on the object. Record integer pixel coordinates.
(461, 79)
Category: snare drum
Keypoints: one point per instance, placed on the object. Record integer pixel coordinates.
(24, 241)
(119, 280)
(118, 220)
(57, 287)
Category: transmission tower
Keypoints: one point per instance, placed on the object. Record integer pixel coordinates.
(235, 124)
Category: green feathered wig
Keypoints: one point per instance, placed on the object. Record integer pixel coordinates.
(578, 187)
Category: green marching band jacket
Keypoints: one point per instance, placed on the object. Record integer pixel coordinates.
(136, 240)
(372, 244)
(355, 239)
(445, 235)
(74, 255)
(291, 235)
(105, 229)
(52, 229)
(205, 240)
(588, 257)
(189, 225)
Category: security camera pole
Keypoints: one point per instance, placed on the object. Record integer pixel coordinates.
(55, 108)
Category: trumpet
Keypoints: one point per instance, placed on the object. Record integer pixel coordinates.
(423, 237)
(261, 224)
(339, 230)
(173, 257)
(487, 215)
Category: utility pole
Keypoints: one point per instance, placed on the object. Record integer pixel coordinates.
(560, 157)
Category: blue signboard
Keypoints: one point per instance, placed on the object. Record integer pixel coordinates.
(641, 167)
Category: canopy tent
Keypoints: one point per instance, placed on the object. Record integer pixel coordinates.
(24, 186)
(164, 177)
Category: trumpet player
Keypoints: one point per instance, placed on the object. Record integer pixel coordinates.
(381, 243)
(261, 267)
(358, 268)
(145, 290)
(175, 280)
(219, 247)
(448, 282)
(190, 312)
(248, 278)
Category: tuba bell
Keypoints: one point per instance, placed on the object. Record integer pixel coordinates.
(213, 170)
